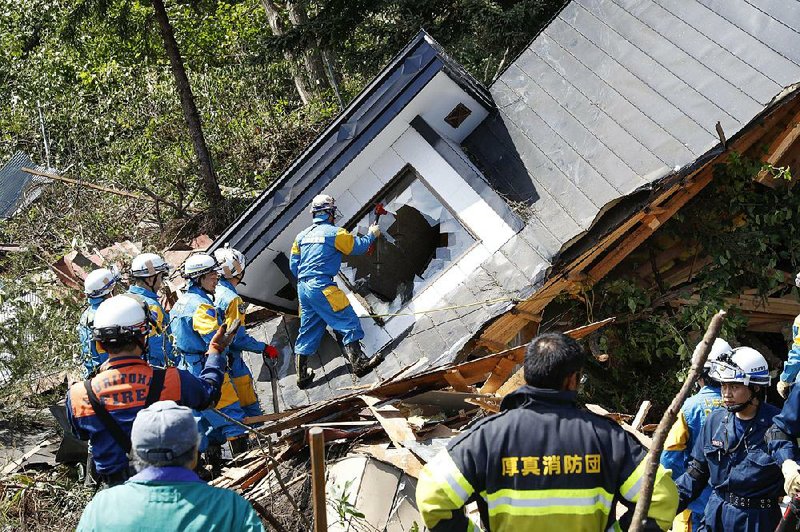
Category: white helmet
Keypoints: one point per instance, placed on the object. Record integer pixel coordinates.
(718, 348)
(231, 261)
(324, 203)
(100, 282)
(120, 320)
(743, 364)
(148, 265)
(198, 265)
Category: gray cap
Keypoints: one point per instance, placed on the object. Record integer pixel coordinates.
(164, 431)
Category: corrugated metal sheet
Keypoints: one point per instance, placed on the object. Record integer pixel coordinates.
(17, 188)
(615, 94)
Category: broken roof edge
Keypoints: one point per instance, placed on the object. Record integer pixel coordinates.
(454, 70)
(633, 201)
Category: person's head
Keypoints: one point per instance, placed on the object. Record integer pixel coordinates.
(554, 361)
(323, 209)
(100, 283)
(122, 325)
(718, 348)
(165, 435)
(231, 263)
(744, 376)
(148, 270)
(201, 269)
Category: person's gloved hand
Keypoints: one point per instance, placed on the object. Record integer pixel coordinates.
(220, 340)
(791, 477)
(797, 280)
(374, 230)
(271, 352)
(784, 388)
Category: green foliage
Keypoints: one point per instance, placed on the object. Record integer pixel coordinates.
(748, 230)
(345, 509)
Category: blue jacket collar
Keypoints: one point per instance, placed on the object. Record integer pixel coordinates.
(527, 395)
(165, 474)
(94, 302)
(142, 292)
(197, 289)
(226, 283)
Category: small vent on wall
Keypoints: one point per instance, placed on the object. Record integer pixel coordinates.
(457, 116)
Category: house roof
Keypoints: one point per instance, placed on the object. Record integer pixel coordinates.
(614, 95)
(14, 183)
(343, 140)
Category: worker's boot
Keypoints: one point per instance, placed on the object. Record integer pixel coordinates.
(304, 374)
(360, 363)
(238, 446)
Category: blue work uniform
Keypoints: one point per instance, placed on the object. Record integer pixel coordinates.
(316, 257)
(542, 463)
(732, 457)
(681, 439)
(792, 365)
(92, 353)
(122, 386)
(194, 322)
(231, 307)
(159, 345)
(788, 425)
(168, 498)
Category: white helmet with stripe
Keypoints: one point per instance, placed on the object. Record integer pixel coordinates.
(231, 261)
(148, 264)
(101, 282)
(744, 365)
(198, 265)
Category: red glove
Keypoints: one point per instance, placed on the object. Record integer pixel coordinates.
(271, 351)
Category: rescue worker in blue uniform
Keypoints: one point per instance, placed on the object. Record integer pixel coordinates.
(98, 286)
(792, 365)
(231, 308)
(731, 454)
(194, 320)
(147, 277)
(126, 384)
(685, 432)
(315, 258)
(542, 463)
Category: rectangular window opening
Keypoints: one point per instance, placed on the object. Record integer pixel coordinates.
(420, 238)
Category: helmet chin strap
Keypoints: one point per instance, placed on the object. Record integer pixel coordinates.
(741, 406)
(143, 343)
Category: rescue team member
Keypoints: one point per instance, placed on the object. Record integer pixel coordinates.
(98, 286)
(731, 453)
(166, 494)
(194, 320)
(542, 463)
(147, 277)
(685, 432)
(316, 257)
(126, 384)
(792, 365)
(231, 307)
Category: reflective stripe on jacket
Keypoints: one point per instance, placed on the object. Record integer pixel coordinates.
(540, 464)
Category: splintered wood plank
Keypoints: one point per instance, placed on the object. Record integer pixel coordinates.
(491, 404)
(391, 419)
(638, 421)
(456, 380)
(499, 375)
(586, 330)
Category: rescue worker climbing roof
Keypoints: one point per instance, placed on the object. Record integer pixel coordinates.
(230, 308)
(194, 320)
(148, 271)
(731, 453)
(542, 463)
(98, 286)
(126, 384)
(315, 258)
(684, 433)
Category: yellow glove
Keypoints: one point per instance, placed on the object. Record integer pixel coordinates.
(784, 388)
(791, 477)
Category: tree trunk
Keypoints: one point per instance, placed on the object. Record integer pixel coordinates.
(276, 24)
(312, 58)
(190, 113)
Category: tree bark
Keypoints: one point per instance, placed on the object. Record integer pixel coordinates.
(276, 24)
(312, 58)
(190, 113)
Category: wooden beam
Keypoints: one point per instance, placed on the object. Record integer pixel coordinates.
(526, 315)
(100, 188)
(499, 375)
(780, 145)
(455, 379)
